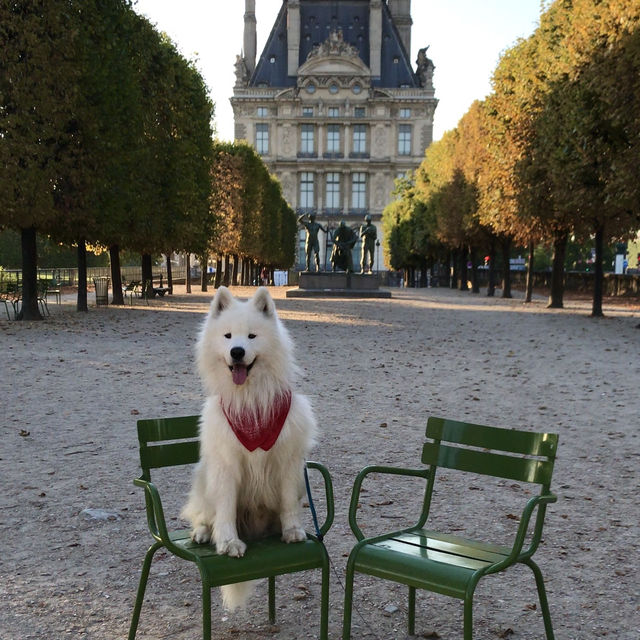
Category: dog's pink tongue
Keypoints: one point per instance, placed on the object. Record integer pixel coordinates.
(239, 373)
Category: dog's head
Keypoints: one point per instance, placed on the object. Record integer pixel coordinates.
(243, 343)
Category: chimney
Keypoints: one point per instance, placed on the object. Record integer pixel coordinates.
(293, 36)
(249, 43)
(401, 14)
(375, 37)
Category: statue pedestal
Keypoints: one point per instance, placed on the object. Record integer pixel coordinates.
(338, 284)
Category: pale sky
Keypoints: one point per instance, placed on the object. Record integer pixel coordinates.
(465, 39)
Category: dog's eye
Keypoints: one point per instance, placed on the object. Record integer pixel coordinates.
(251, 336)
(227, 336)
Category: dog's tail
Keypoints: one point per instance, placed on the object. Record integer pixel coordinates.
(235, 596)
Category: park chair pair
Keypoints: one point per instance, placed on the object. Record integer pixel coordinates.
(415, 556)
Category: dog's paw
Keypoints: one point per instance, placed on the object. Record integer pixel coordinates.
(294, 534)
(201, 534)
(234, 548)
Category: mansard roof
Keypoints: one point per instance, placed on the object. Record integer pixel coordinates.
(318, 18)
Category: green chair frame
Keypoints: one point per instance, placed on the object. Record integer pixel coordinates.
(171, 442)
(448, 564)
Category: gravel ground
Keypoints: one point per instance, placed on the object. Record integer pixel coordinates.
(74, 527)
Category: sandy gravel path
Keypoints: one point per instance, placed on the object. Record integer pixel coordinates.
(72, 388)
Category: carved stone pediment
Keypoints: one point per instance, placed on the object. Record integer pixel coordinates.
(334, 45)
(334, 56)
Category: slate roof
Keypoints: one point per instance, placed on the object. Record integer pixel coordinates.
(317, 19)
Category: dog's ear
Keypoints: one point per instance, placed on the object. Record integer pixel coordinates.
(221, 301)
(264, 302)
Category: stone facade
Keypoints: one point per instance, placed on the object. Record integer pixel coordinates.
(335, 108)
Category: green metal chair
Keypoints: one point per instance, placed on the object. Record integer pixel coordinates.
(448, 564)
(174, 441)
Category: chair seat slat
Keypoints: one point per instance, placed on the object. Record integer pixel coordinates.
(455, 545)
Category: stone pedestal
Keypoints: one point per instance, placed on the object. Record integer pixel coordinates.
(338, 284)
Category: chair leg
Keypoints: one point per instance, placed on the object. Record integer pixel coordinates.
(468, 617)
(411, 627)
(272, 599)
(206, 610)
(348, 599)
(324, 599)
(542, 594)
(146, 566)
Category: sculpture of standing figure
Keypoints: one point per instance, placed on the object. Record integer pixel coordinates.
(344, 240)
(311, 245)
(369, 234)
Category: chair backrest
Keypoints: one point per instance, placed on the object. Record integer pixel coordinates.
(504, 453)
(168, 442)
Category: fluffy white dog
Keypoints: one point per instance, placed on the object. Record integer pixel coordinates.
(255, 432)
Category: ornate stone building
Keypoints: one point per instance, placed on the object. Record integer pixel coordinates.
(334, 106)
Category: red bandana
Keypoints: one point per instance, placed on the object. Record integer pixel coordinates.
(257, 430)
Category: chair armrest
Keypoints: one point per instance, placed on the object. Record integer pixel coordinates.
(328, 492)
(534, 503)
(155, 512)
(357, 485)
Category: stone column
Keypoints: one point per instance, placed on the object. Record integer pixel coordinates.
(321, 188)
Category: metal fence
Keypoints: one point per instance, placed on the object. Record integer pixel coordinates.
(69, 276)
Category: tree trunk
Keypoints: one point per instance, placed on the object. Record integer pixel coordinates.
(557, 271)
(491, 286)
(453, 269)
(204, 274)
(29, 310)
(475, 284)
(529, 285)
(169, 275)
(147, 274)
(506, 268)
(227, 270)
(187, 259)
(81, 304)
(236, 264)
(598, 281)
(116, 278)
(464, 278)
(218, 277)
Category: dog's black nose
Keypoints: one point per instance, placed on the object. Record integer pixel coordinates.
(237, 353)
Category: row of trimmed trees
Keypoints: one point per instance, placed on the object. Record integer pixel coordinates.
(106, 140)
(256, 227)
(551, 154)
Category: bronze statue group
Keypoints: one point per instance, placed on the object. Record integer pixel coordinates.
(344, 239)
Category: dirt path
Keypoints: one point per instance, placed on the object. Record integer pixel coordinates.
(72, 388)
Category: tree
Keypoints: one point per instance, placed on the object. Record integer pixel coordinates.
(38, 95)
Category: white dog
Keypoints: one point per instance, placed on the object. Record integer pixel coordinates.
(255, 432)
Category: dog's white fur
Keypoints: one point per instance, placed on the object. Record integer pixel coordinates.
(240, 495)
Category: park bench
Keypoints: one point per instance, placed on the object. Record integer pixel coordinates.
(450, 564)
(172, 442)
